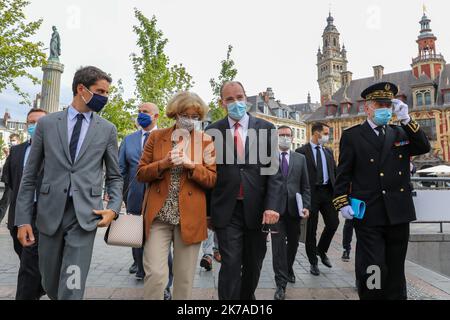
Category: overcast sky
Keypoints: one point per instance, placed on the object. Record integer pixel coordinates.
(275, 42)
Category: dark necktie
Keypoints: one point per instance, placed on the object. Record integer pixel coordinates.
(319, 166)
(381, 132)
(75, 137)
(284, 164)
(146, 135)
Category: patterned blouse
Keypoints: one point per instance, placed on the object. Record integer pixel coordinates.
(170, 212)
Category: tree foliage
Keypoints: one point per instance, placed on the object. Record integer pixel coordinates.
(228, 72)
(156, 79)
(18, 53)
(122, 113)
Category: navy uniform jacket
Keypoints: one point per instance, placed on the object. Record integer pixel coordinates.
(379, 174)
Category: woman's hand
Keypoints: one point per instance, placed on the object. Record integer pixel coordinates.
(165, 163)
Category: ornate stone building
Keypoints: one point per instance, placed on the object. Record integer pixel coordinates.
(331, 62)
(265, 106)
(425, 88)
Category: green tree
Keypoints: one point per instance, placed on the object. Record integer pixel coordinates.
(18, 54)
(227, 73)
(156, 79)
(120, 112)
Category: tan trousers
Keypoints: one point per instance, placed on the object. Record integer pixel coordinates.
(156, 251)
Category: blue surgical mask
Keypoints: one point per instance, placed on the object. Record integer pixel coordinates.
(237, 110)
(382, 116)
(97, 102)
(31, 130)
(144, 120)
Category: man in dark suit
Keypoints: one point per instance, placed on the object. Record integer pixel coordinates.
(14, 140)
(29, 278)
(130, 153)
(295, 182)
(247, 193)
(322, 175)
(374, 166)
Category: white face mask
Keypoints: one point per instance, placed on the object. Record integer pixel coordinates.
(284, 142)
(189, 124)
(324, 140)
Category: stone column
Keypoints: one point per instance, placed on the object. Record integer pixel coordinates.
(51, 86)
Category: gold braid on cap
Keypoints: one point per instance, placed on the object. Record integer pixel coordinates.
(380, 94)
(340, 202)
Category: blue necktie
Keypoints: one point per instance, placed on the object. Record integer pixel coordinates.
(284, 164)
(146, 135)
(75, 137)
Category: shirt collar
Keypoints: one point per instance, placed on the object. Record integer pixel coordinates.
(243, 122)
(313, 145)
(371, 124)
(73, 114)
(288, 152)
(143, 132)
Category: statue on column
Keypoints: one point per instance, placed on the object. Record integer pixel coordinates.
(55, 45)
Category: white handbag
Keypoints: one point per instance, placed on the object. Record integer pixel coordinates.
(128, 229)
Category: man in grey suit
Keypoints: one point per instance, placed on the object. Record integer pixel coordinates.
(74, 146)
(285, 242)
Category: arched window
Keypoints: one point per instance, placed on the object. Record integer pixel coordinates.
(326, 43)
(334, 42)
(427, 98)
(419, 98)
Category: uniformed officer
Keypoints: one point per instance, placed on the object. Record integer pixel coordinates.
(374, 166)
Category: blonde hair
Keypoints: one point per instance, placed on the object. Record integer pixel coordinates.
(185, 100)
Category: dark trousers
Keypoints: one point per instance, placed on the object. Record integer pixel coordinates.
(284, 249)
(4, 203)
(243, 251)
(322, 201)
(347, 235)
(384, 247)
(138, 254)
(29, 285)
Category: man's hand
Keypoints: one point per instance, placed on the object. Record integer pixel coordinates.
(347, 212)
(305, 213)
(270, 217)
(401, 111)
(25, 235)
(107, 217)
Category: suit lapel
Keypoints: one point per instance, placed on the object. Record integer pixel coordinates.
(388, 142)
(310, 156)
(228, 136)
(63, 134)
(369, 135)
(91, 133)
(329, 162)
(249, 144)
(291, 162)
(21, 155)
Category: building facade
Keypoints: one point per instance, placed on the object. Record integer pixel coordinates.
(425, 88)
(265, 106)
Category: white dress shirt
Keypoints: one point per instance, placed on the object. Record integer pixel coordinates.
(287, 156)
(243, 129)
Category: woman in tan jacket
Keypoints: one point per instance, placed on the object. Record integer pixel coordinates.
(178, 164)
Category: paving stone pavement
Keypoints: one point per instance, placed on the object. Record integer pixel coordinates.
(109, 278)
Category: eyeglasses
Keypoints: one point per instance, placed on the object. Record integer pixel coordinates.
(270, 228)
(194, 117)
